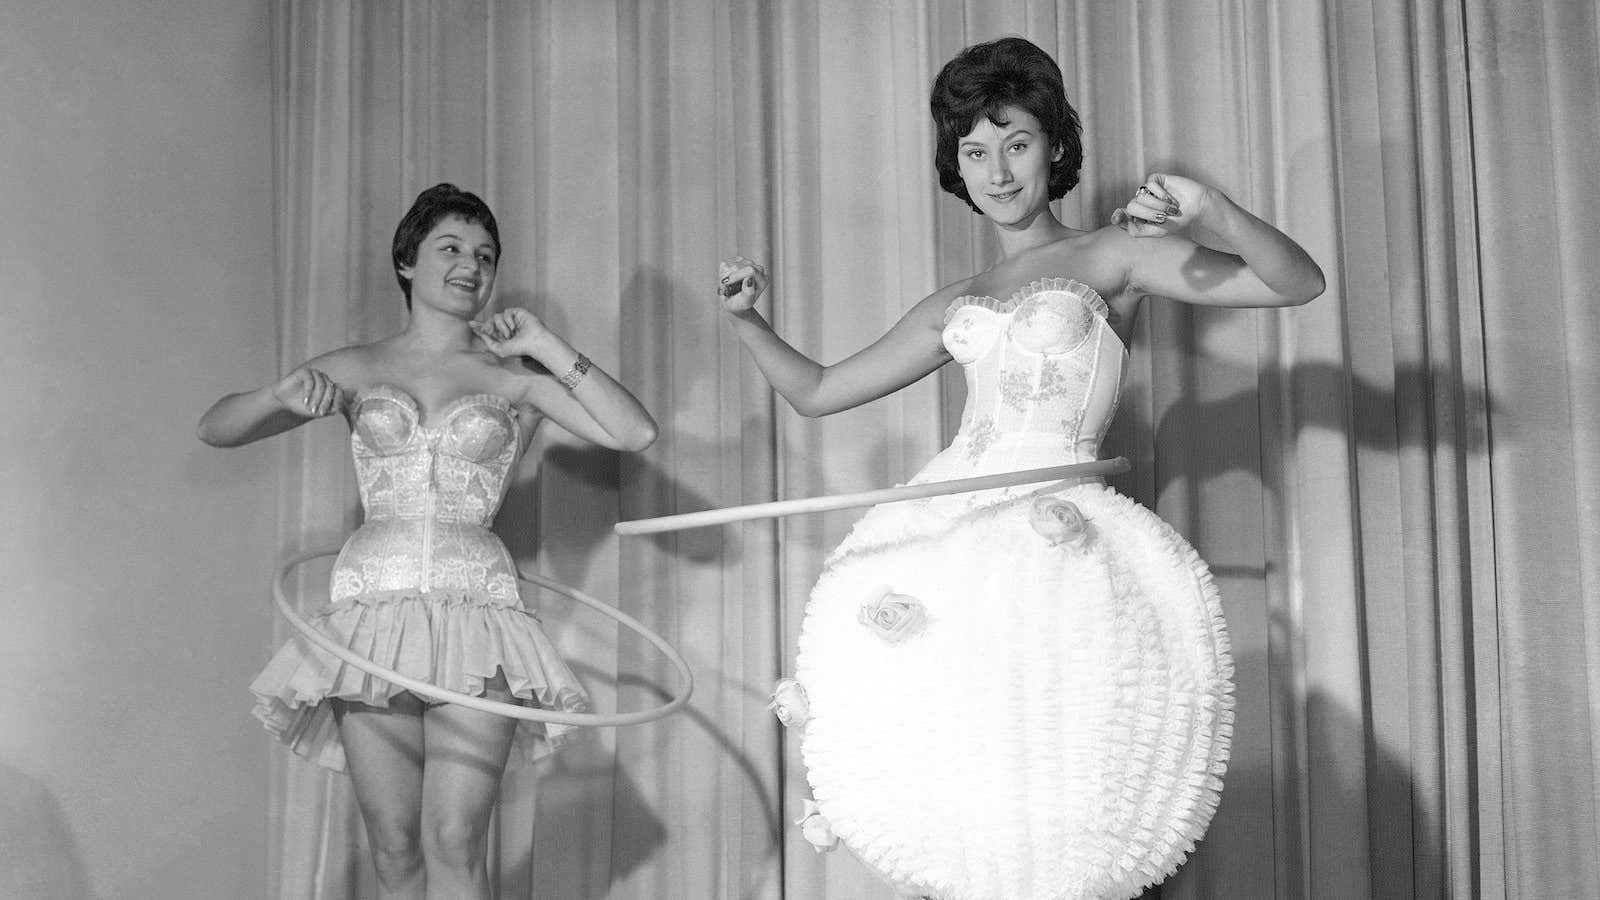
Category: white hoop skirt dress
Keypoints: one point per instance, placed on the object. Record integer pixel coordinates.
(423, 587)
(1021, 694)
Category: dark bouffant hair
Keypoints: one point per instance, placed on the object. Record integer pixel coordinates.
(433, 205)
(984, 79)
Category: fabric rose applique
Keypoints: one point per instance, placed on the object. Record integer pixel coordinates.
(1061, 523)
(789, 703)
(815, 829)
(895, 617)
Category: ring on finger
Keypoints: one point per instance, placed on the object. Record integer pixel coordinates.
(1145, 191)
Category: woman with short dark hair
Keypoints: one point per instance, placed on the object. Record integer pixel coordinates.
(439, 415)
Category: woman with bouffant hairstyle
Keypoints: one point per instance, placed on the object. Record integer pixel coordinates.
(1021, 693)
(981, 82)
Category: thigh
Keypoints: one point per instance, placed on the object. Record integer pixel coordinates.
(466, 754)
(384, 749)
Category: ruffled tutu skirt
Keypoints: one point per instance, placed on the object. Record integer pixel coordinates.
(452, 639)
(1019, 700)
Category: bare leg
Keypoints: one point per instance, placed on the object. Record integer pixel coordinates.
(466, 755)
(384, 748)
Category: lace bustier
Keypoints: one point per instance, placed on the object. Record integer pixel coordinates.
(1043, 370)
(430, 492)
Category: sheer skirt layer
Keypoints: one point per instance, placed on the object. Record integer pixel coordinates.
(458, 641)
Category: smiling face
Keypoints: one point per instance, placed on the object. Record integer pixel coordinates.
(1005, 166)
(455, 267)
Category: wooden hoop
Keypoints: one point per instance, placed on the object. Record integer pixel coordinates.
(497, 707)
(777, 508)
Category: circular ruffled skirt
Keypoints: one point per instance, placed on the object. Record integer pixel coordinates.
(1016, 703)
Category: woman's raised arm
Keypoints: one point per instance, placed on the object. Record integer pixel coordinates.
(907, 352)
(302, 395)
(1193, 243)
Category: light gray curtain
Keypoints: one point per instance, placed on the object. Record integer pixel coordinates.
(1394, 484)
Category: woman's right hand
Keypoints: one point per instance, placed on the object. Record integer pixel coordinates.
(309, 392)
(739, 282)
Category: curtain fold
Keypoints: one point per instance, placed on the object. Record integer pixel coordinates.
(1395, 485)
(1533, 73)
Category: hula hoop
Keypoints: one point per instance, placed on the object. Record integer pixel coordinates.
(774, 509)
(499, 708)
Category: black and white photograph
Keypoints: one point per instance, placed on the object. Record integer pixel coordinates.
(799, 450)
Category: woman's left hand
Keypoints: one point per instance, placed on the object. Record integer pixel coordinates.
(514, 332)
(1164, 204)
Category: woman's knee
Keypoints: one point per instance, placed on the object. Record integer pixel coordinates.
(396, 851)
(454, 842)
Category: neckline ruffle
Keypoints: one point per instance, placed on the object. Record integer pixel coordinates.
(1032, 289)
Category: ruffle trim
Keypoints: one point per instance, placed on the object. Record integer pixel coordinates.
(1162, 802)
(456, 640)
(1087, 293)
(1158, 820)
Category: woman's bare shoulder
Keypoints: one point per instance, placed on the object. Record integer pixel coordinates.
(930, 310)
(1100, 258)
(351, 364)
(1090, 249)
(955, 290)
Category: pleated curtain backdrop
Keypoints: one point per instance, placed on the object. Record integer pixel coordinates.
(1396, 485)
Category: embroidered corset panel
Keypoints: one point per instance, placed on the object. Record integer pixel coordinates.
(1043, 372)
(430, 492)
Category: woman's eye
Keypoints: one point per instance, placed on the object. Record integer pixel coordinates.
(486, 259)
(974, 154)
(1018, 147)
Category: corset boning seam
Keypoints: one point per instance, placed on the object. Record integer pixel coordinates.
(1094, 381)
(1116, 393)
(426, 577)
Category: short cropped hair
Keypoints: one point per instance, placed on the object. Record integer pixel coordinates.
(984, 79)
(433, 205)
